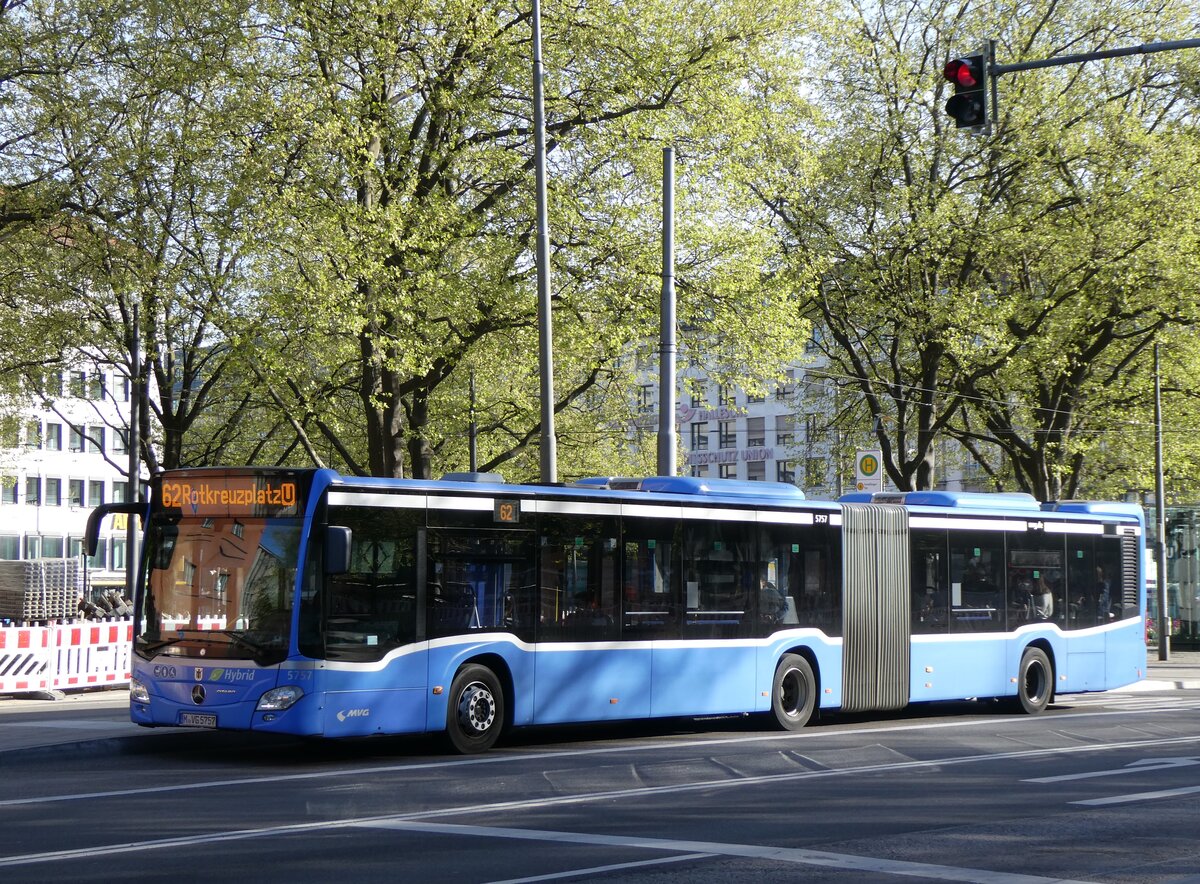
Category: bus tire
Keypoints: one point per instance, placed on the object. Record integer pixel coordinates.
(793, 693)
(1035, 681)
(475, 716)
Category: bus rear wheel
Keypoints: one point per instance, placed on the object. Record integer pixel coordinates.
(1035, 681)
(476, 714)
(793, 693)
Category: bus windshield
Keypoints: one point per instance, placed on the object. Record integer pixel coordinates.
(220, 578)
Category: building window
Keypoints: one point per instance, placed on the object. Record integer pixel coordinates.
(812, 430)
(78, 384)
(697, 400)
(756, 471)
(700, 436)
(726, 396)
(645, 398)
(118, 553)
(785, 471)
(75, 492)
(96, 386)
(120, 492)
(698, 471)
(727, 432)
(52, 547)
(752, 398)
(785, 433)
(786, 388)
(10, 548)
(96, 493)
(8, 489)
(53, 493)
(33, 546)
(33, 435)
(126, 389)
(53, 437)
(756, 432)
(120, 441)
(728, 471)
(76, 443)
(33, 490)
(95, 440)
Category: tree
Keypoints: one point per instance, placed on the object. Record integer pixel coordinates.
(401, 150)
(991, 290)
(142, 254)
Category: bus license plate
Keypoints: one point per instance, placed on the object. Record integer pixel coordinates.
(197, 719)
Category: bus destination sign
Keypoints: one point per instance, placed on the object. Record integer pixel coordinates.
(232, 495)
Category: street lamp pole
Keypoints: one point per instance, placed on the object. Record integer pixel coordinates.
(549, 453)
(133, 488)
(1160, 545)
(666, 364)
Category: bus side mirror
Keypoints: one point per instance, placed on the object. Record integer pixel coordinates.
(337, 549)
(91, 535)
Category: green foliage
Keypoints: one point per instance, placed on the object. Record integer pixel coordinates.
(1001, 291)
(324, 214)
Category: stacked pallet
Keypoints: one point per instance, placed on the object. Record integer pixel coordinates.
(40, 590)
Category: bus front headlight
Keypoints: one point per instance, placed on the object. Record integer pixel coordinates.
(138, 692)
(278, 699)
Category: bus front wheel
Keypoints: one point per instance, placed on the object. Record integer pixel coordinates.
(1035, 681)
(793, 693)
(476, 714)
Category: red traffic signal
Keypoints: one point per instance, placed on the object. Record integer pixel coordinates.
(961, 72)
(969, 104)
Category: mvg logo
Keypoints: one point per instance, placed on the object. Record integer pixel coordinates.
(353, 713)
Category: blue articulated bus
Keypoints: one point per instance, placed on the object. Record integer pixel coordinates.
(306, 602)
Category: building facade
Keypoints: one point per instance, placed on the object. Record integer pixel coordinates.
(789, 434)
(64, 452)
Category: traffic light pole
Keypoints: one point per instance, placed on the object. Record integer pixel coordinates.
(1059, 60)
(972, 73)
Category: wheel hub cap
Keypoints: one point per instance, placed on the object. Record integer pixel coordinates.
(477, 708)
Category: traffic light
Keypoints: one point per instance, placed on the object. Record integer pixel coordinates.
(969, 103)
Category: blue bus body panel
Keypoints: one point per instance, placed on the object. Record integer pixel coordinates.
(387, 697)
(693, 678)
(591, 682)
(955, 667)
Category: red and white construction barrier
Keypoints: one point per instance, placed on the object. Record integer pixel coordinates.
(24, 659)
(91, 654)
(64, 656)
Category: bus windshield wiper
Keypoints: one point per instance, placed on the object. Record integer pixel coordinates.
(240, 638)
(155, 644)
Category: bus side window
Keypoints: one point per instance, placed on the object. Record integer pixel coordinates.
(578, 578)
(976, 586)
(720, 579)
(930, 593)
(371, 608)
(650, 578)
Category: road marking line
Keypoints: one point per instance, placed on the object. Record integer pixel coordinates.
(1144, 765)
(797, 855)
(500, 758)
(1139, 796)
(600, 870)
(751, 851)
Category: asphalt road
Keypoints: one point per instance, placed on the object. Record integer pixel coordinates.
(1099, 788)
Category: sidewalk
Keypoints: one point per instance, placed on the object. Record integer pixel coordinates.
(1180, 672)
